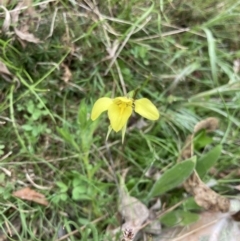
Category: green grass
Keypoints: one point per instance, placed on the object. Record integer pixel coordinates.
(180, 54)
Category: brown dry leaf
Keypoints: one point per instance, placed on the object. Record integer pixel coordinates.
(16, 11)
(4, 69)
(23, 33)
(236, 66)
(24, 5)
(154, 226)
(205, 197)
(29, 37)
(237, 187)
(67, 75)
(134, 212)
(28, 194)
(7, 20)
(210, 227)
(30, 10)
(7, 75)
(209, 124)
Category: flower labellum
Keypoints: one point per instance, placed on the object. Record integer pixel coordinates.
(120, 109)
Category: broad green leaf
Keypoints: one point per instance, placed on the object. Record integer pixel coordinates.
(208, 160)
(173, 177)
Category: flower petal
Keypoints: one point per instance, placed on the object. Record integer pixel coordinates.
(146, 108)
(123, 99)
(118, 116)
(100, 106)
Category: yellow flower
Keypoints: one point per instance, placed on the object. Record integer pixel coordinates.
(120, 109)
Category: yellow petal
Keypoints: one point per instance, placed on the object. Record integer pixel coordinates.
(119, 116)
(123, 99)
(146, 108)
(99, 106)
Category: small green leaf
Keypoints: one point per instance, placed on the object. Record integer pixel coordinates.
(143, 52)
(2, 177)
(30, 107)
(77, 182)
(190, 204)
(79, 193)
(83, 115)
(36, 114)
(173, 177)
(208, 160)
(62, 186)
(27, 127)
(201, 140)
(55, 199)
(83, 221)
(179, 217)
(2, 190)
(63, 196)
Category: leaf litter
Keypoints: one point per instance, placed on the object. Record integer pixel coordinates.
(135, 213)
(136, 216)
(22, 31)
(218, 222)
(29, 194)
(4, 69)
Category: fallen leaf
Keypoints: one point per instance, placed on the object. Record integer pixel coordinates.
(67, 75)
(209, 124)
(4, 69)
(7, 20)
(210, 226)
(237, 187)
(154, 226)
(29, 37)
(30, 10)
(133, 211)
(31, 195)
(16, 11)
(236, 65)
